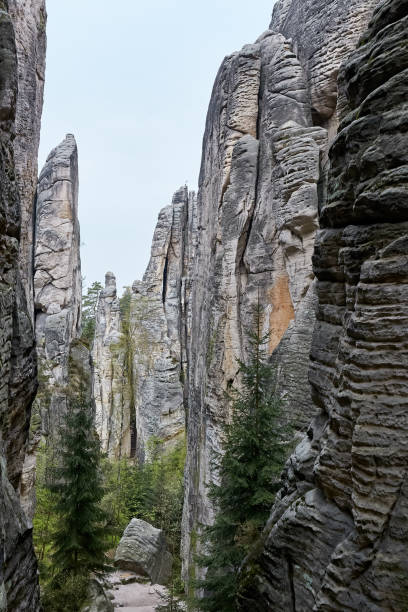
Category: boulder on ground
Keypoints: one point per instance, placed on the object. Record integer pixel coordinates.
(143, 549)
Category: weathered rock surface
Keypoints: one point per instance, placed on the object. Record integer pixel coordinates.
(323, 34)
(57, 270)
(143, 550)
(57, 299)
(139, 354)
(112, 395)
(271, 117)
(29, 20)
(19, 589)
(338, 534)
(160, 307)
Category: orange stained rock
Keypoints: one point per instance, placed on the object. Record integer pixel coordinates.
(282, 311)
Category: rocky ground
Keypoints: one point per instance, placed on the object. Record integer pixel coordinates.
(131, 596)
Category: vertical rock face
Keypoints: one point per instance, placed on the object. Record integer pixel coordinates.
(160, 310)
(57, 268)
(18, 568)
(270, 120)
(113, 404)
(29, 20)
(57, 298)
(323, 34)
(338, 534)
(139, 352)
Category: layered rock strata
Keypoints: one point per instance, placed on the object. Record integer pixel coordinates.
(19, 589)
(29, 20)
(271, 116)
(139, 355)
(338, 533)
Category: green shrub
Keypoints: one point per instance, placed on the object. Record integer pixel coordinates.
(65, 593)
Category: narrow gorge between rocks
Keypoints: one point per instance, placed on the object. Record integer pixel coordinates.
(118, 411)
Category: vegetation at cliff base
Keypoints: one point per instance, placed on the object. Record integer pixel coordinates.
(247, 475)
(70, 524)
(152, 491)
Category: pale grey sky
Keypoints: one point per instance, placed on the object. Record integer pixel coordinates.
(132, 80)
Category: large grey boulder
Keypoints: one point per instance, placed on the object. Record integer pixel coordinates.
(143, 549)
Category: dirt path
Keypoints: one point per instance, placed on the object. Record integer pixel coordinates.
(134, 596)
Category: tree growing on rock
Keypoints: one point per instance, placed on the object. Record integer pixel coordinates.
(89, 306)
(248, 475)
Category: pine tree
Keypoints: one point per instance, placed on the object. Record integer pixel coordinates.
(79, 541)
(89, 306)
(248, 476)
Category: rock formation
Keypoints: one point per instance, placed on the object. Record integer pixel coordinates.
(112, 399)
(29, 20)
(18, 567)
(139, 352)
(271, 117)
(160, 310)
(143, 549)
(57, 270)
(57, 299)
(338, 533)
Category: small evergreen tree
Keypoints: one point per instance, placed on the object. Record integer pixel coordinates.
(248, 475)
(89, 306)
(79, 542)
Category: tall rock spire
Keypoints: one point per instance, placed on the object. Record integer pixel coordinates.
(57, 295)
(57, 267)
(139, 352)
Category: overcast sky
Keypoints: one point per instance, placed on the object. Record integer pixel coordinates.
(132, 80)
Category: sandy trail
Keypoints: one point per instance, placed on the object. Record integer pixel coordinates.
(133, 597)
